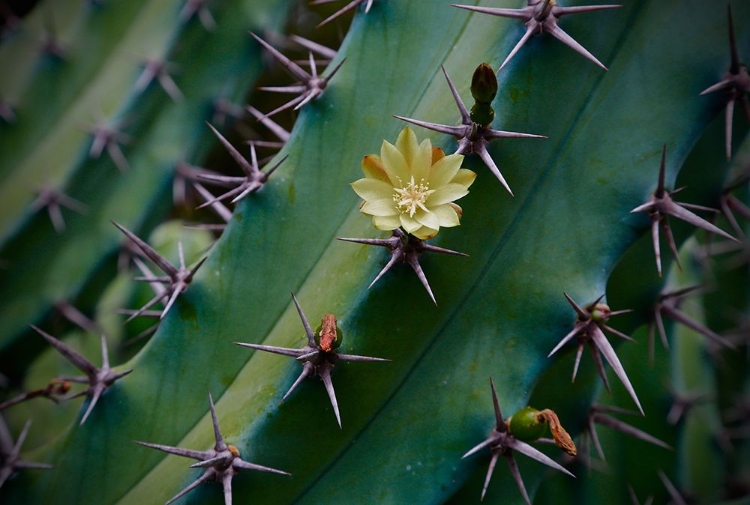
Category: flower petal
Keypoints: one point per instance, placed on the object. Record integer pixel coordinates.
(464, 177)
(395, 165)
(447, 215)
(422, 161)
(446, 194)
(407, 144)
(372, 189)
(372, 166)
(386, 222)
(458, 209)
(445, 170)
(382, 207)
(437, 154)
(428, 219)
(409, 224)
(424, 233)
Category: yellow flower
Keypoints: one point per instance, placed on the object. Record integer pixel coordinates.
(413, 186)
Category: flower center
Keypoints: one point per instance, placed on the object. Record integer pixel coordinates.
(412, 196)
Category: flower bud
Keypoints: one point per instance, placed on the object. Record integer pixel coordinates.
(484, 84)
(526, 426)
(600, 313)
(529, 424)
(483, 89)
(328, 336)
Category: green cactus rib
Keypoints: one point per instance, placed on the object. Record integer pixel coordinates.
(42, 267)
(405, 424)
(55, 101)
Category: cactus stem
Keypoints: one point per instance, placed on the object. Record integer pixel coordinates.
(178, 278)
(589, 330)
(735, 84)
(159, 70)
(315, 360)
(220, 463)
(471, 137)
(199, 9)
(660, 206)
(351, 5)
(404, 248)
(54, 200)
(11, 462)
(98, 379)
(311, 84)
(253, 180)
(501, 442)
(540, 17)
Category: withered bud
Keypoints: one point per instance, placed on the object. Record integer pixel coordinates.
(328, 336)
(561, 437)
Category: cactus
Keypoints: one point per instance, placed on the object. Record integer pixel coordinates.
(616, 140)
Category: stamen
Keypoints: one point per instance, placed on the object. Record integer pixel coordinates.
(412, 196)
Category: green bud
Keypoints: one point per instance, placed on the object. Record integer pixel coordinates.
(483, 89)
(484, 84)
(526, 426)
(482, 114)
(600, 313)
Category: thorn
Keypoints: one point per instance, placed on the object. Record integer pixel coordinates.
(199, 9)
(253, 180)
(315, 360)
(472, 137)
(179, 278)
(54, 201)
(404, 248)
(311, 85)
(220, 463)
(541, 17)
(589, 329)
(661, 206)
(501, 442)
(109, 137)
(11, 462)
(98, 379)
(348, 7)
(735, 83)
(159, 70)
